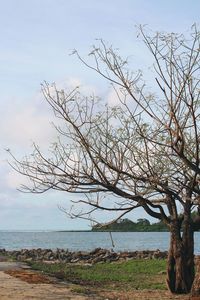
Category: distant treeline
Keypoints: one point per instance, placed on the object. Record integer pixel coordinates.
(128, 225)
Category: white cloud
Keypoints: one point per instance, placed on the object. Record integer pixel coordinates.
(14, 180)
(23, 122)
(71, 83)
(116, 97)
(27, 125)
(112, 97)
(26, 121)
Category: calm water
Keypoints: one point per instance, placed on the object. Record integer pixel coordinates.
(75, 241)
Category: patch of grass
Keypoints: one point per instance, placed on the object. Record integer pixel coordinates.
(7, 257)
(133, 274)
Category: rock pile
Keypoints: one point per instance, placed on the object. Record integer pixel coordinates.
(92, 257)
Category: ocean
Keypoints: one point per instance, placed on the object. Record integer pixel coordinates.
(87, 241)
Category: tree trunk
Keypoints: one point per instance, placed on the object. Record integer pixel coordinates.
(180, 265)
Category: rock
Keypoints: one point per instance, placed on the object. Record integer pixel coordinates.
(75, 260)
(95, 251)
(96, 260)
(60, 275)
(159, 255)
(95, 256)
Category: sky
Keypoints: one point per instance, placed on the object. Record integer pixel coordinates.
(37, 37)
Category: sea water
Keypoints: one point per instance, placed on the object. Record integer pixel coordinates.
(87, 241)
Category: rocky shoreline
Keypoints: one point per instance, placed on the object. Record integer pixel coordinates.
(92, 257)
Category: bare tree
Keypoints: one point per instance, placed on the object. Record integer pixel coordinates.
(144, 151)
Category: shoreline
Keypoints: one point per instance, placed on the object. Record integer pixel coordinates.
(82, 257)
(88, 231)
(77, 288)
(94, 256)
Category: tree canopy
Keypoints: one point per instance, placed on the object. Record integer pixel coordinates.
(124, 225)
(144, 151)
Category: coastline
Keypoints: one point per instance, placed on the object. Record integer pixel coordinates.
(83, 257)
(36, 281)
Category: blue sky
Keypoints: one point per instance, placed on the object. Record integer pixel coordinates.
(36, 39)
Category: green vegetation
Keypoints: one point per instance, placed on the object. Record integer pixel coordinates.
(133, 274)
(128, 225)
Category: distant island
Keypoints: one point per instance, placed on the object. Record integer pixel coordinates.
(141, 225)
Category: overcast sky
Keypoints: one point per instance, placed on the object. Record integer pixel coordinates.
(37, 37)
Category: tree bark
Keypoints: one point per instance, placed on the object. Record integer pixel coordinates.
(180, 264)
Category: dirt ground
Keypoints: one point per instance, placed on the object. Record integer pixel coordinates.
(27, 284)
(19, 283)
(12, 288)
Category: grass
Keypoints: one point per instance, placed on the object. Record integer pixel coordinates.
(133, 274)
